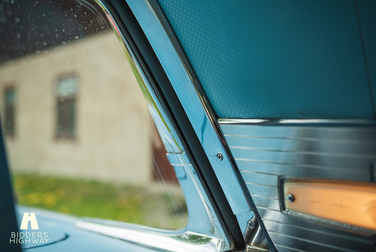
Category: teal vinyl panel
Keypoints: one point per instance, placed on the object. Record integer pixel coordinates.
(275, 59)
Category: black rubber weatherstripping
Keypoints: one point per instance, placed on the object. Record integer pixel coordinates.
(178, 47)
(192, 144)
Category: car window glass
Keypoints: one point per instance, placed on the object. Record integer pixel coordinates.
(78, 133)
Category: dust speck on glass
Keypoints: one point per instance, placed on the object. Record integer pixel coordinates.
(78, 133)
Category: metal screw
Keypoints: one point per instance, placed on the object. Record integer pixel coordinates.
(290, 197)
(220, 156)
(251, 224)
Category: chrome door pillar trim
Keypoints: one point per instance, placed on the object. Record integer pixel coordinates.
(193, 103)
(203, 222)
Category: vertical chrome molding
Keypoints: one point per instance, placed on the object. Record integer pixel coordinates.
(203, 221)
(203, 121)
(193, 104)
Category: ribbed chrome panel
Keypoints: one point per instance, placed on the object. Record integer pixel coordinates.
(262, 153)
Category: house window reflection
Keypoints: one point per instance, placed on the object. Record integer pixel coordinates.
(9, 113)
(66, 91)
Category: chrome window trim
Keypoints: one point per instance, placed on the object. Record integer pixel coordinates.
(189, 92)
(203, 221)
(295, 121)
(199, 114)
(149, 237)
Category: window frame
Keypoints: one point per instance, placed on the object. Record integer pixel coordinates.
(12, 133)
(72, 134)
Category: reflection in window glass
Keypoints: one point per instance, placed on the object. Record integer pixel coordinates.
(9, 110)
(66, 90)
(115, 167)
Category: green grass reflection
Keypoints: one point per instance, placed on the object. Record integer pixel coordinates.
(101, 200)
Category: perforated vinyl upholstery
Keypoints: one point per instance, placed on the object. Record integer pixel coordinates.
(278, 59)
